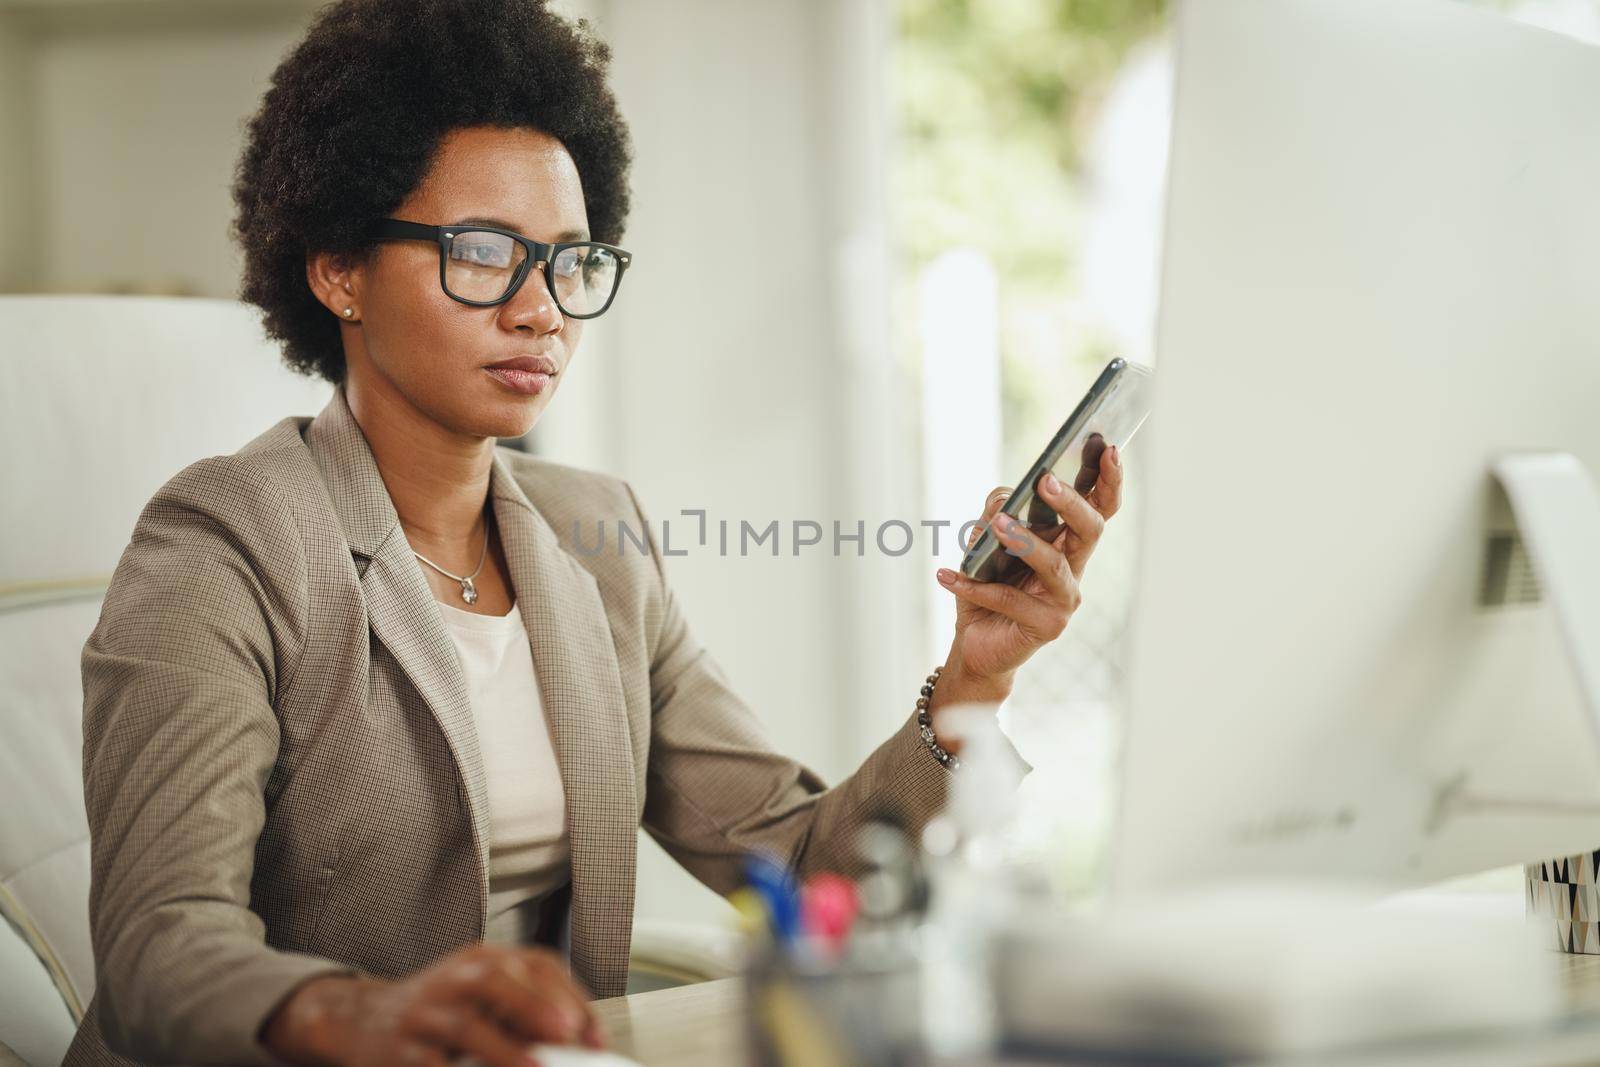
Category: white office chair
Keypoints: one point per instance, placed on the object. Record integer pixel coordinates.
(102, 399)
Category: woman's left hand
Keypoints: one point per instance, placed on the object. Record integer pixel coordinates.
(998, 626)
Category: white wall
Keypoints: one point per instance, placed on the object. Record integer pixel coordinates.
(130, 118)
(18, 234)
(126, 106)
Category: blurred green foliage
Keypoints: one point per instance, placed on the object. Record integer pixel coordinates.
(994, 101)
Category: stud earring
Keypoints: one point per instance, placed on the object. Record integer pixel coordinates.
(348, 312)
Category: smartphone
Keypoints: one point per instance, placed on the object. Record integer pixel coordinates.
(1110, 413)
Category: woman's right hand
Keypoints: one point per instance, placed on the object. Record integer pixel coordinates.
(486, 1001)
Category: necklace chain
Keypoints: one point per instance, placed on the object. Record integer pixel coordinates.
(469, 592)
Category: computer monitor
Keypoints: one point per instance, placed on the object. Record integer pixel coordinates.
(1381, 271)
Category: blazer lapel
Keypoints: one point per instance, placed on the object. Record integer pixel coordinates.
(581, 688)
(574, 660)
(400, 606)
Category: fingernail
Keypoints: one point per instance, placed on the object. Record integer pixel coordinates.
(1116, 456)
(1051, 483)
(1005, 523)
(946, 577)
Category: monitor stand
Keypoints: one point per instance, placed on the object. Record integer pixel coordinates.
(1556, 509)
(1557, 512)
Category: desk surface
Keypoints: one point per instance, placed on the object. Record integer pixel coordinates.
(702, 1025)
(690, 1026)
(1582, 977)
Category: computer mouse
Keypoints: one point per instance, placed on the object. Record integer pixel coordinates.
(578, 1056)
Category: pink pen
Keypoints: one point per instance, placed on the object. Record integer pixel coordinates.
(828, 907)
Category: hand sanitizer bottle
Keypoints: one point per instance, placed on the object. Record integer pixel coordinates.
(972, 893)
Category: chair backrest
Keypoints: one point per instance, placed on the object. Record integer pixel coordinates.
(102, 399)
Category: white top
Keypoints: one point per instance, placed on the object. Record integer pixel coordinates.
(527, 805)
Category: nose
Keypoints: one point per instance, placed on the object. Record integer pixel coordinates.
(531, 306)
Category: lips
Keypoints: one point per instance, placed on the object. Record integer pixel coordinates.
(531, 364)
(528, 375)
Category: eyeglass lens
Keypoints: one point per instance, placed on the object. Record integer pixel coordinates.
(481, 266)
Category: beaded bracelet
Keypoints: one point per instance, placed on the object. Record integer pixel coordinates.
(925, 724)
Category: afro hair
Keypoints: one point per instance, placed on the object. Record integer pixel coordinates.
(356, 112)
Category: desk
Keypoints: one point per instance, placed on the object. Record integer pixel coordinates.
(1581, 975)
(702, 1025)
(698, 1025)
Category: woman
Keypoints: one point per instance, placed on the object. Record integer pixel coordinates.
(367, 738)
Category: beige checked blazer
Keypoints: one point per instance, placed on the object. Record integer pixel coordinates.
(281, 771)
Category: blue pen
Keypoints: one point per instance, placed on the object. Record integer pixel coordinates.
(772, 881)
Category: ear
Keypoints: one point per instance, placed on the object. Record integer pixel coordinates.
(335, 278)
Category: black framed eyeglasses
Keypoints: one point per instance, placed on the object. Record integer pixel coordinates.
(484, 266)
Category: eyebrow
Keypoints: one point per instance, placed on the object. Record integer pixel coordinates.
(502, 224)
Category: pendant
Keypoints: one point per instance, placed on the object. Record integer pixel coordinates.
(468, 593)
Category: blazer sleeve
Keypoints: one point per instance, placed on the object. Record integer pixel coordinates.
(204, 610)
(716, 788)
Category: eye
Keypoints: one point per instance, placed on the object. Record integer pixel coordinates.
(567, 262)
(483, 250)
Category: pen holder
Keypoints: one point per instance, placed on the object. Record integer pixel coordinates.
(803, 1009)
(1565, 891)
